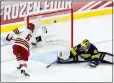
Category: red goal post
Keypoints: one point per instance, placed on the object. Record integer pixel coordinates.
(52, 12)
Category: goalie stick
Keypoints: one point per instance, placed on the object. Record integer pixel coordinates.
(103, 61)
(72, 62)
(102, 57)
(106, 53)
(67, 62)
(106, 62)
(51, 64)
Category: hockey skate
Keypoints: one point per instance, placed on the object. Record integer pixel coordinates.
(24, 73)
(22, 69)
(19, 67)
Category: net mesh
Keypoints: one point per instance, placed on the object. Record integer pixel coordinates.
(59, 24)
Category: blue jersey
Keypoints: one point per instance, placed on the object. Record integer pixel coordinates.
(92, 50)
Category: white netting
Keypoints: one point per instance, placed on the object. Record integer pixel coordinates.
(58, 25)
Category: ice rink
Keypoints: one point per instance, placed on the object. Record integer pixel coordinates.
(96, 29)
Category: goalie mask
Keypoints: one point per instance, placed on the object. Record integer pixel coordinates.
(85, 44)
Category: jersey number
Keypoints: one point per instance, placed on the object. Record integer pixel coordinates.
(28, 37)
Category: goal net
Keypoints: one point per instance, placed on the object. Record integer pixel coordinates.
(59, 25)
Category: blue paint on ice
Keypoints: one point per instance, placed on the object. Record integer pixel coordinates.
(46, 58)
(5, 43)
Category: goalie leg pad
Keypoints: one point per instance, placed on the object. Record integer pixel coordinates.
(64, 55)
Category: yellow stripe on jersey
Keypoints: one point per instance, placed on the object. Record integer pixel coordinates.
(73, 51)
(22, 44)
(22, 41)
(101, 56)
(95, 56)
(16, 31)
(85, 55)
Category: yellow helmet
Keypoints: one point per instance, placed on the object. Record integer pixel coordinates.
(85, 44)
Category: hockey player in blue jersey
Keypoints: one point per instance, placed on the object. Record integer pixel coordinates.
(86, 51)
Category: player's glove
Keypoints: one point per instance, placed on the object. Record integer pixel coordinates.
(93, 63)
(8, 38)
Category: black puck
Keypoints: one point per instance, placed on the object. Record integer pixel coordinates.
(40, 8)
(55, 21)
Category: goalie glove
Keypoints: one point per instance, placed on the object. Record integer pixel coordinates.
(93, 63)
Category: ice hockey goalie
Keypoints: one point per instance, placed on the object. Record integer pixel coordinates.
(84, 52)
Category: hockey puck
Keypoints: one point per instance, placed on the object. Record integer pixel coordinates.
(41, 9)
(55, 21)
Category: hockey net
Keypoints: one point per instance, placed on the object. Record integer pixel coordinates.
(59, 24)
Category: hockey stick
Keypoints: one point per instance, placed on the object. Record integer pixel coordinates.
(51, 64)
(67, 62)
(106, 53)
(106, 62)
